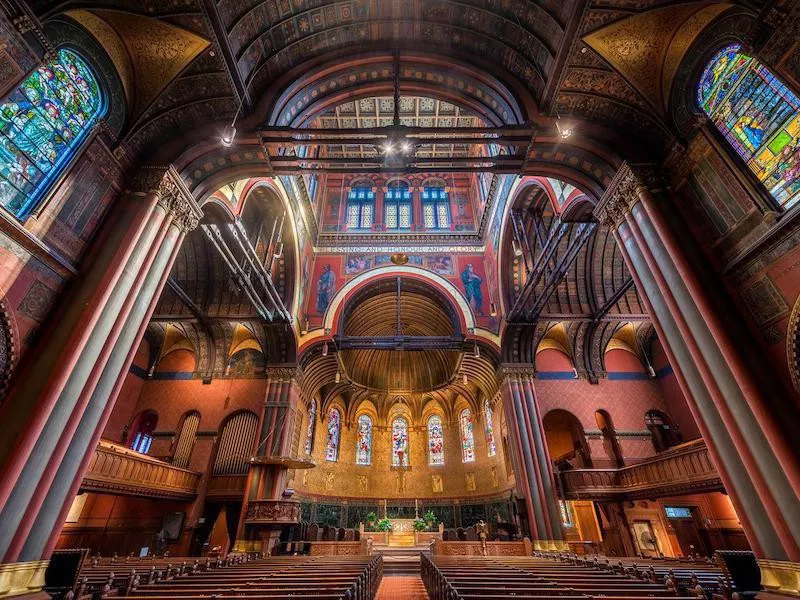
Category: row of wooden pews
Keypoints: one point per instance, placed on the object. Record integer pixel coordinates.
(566, 577)
(237, 576)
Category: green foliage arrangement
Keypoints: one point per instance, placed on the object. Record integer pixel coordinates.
(384, 524)
(430, 518)
(419, 524)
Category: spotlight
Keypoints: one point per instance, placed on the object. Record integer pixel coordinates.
(388, 148)
(516, 248)
(406, 148)
(564, 131)
(476, 352)
(325, 349)
(228, 135)
(338, 377)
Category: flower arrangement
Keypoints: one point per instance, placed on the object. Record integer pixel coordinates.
(419, 524)
(430, 518)
(384, 525)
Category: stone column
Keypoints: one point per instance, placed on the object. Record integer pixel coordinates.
(65, 393)
(758, 465)
(265, 510)
(532, 465)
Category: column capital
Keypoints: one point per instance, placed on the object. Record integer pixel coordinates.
(281, 373)
(165, 183)
(516, 371)
(624, 191)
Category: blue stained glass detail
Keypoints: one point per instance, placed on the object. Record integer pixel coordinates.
(758, 116)
(364, 441)
(42, 124)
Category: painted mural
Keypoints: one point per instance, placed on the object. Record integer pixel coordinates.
(467, 273)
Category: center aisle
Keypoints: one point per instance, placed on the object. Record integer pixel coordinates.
(402, 587)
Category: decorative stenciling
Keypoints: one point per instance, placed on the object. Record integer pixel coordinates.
(764, 301)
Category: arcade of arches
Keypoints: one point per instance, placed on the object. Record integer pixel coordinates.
(281, 262)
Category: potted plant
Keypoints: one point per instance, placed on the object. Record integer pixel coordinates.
(384, 524)
(371, 518)
(419, 524)
(429, 518)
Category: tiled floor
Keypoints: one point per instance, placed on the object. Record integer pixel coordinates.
(401, 588)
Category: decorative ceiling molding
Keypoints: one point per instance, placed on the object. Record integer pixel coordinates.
(148, 53)
(647, 48)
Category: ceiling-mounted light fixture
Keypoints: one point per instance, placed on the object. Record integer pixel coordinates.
(278, 250)
(466, 380)
(476, 352)
(516, 248)
(229, 131)
(564, 130)
(325, 349)
(492, 309)
(338, 377)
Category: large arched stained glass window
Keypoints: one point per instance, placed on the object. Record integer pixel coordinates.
(312, 423)
(487, 415)
(467, 438)
(364, 441)
(759, 117)
(42, 123)
(332, 442)
(435, 441)
(400, 442)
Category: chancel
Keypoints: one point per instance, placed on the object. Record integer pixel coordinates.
(399, 299)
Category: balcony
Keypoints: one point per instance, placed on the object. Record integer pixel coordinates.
(684, 469)
(115, 469)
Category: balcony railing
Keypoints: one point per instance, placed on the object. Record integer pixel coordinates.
(115, 469)
(684, 469)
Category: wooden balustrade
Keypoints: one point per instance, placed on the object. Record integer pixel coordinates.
(687, 468)
(116, 469)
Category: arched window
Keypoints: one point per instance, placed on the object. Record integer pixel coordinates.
(467, 438)
(332, 443)
(360, 208)
(42, 124)
(312, 424)
(364, 441)
(400, 442)
(436, 208)
(759, 117)
(435, 441)
(142, 431)
(487, 415)
(397, 206)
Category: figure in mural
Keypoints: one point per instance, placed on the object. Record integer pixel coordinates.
(472, 288)
(326, 288)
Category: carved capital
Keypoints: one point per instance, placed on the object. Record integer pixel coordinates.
(625, 191)
(171, 193)
(516, 371)
(283, 373)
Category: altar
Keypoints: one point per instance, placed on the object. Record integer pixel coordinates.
(402, 533)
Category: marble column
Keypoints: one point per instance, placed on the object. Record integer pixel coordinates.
(758, 465)
(64, 394)
(266, 510)
(532, 465)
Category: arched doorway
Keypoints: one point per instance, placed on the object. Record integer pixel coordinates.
(664, 433)
(566, 440)
(610, 442)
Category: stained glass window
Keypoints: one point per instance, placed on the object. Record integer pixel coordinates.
(364, 441)
(400, 442)
(759, 117)
(467, 438)
(360, 206)
(42, 123)
(487, 415)
(435, 441)
(312, 418)
(332, 443)
(566, 516)
(436, 208)
(142, 442)
(397, 206)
